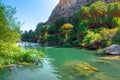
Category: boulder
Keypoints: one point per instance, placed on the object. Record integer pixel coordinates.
(113, 49)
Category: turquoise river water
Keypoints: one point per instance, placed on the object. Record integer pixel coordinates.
(52, 67)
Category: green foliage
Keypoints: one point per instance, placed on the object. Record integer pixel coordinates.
(11, 54)
(116, 22)
(43, 37)
(85, 12)
(59, 22)
(93, 26)
(76, 17)
(7, 12)
(91, 38)
(52, 29)
(116, 38)
(32, 55)
(66, 45)
(67, 26)
(65, 32)
(7, 20)
(9, 35)
(28, 36)
(114, 9)
(107, 35)
(82, 26)
(98, 9)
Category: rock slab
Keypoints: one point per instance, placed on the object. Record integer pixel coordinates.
(113, 49)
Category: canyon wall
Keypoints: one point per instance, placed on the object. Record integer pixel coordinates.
(66, 8)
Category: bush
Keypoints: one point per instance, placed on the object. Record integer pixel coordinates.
(66, 45)
(11, 54)
(116, 38)
(115, 22)
(107, 35)
(91, 40)
(60, 21)
(82, 26)
(67, 26)
(8, 49)
(32, 55)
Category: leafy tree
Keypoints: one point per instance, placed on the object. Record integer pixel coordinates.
(116, 38)
(85, 11)
(114, 9)
(92, 23)
(97, 9)
(28, 36)
(43, 35)
(59, 22)
(8, 34)
(91, 40)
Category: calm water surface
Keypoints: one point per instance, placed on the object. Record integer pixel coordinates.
(53, 68)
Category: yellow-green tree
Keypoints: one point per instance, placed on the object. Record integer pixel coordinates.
(113, 9)
(65, 31)
(98, 9)
(7, 33)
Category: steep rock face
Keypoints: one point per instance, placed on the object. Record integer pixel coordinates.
(66, 8)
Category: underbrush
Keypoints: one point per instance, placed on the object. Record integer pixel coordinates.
(13, 54)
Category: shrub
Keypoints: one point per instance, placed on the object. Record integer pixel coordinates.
(116, 38)
(82, 26)
(107, 35)
(91, 39)
(60, 21)
(32, 55)
(67, 26)
(66, 45)
(11, 54)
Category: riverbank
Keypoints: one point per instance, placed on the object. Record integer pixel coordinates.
(23, 64)
(13, 54)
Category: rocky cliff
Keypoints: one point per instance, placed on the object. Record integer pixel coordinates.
(66, 8)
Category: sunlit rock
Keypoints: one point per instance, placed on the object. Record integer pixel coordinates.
(113, 49)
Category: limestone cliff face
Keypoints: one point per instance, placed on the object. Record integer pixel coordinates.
(66, 8)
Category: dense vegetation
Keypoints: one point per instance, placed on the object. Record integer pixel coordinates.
(10, 53)
(92, 26)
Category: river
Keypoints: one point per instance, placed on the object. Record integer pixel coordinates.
(53, 67)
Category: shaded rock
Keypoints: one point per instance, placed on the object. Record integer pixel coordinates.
(113, 49)
(10, 69)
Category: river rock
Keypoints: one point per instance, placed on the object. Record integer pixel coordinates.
(113, 49)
